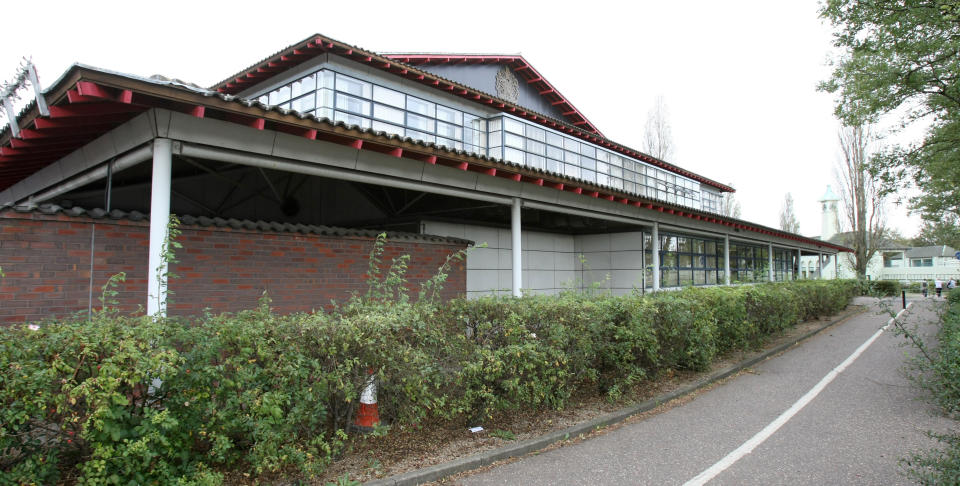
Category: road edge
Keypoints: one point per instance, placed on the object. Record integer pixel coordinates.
(440, 471)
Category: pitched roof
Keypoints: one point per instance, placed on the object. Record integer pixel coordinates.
(317, 44)
(519, 65)
(930, 251)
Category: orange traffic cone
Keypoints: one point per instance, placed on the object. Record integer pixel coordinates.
(367, 416)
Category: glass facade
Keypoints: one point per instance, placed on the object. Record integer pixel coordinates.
(346, 99)
(783, 264)
(336, 96)
(748, 263)
(684, 260)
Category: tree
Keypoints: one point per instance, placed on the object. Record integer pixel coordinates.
(657, 140)
(904, 57)
(860, 195)
(788, 219)
(729, 206)
(932, 233)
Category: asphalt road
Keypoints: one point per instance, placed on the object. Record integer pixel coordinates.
(852, 432)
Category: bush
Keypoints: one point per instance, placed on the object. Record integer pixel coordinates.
(939, 374)
(120, 399)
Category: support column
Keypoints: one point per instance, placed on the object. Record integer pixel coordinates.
(819, 266)
(726, 259)
(515, 236)
(836, 266)
(770, 262)
(799, 268)
(159, 219)
(655, 254)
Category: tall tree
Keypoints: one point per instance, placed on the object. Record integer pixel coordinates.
(729, 206)
(904, 57)
(788, 219)
(860, 195)
(657, 139)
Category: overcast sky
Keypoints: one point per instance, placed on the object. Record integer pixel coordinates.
(738, 78)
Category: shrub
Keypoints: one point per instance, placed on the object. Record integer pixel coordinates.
(120, 399)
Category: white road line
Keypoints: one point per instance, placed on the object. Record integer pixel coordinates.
(748, 446)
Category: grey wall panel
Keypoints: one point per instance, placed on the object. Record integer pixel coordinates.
(389, 165)
(133, 133)
(218, 133)
(439, 174)
(484, 78)
(299, 148)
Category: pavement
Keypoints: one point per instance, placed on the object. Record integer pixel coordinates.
(852, 432)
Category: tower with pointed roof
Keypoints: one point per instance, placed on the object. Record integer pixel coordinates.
(829, 218)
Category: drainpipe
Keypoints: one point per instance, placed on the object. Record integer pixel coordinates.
(726, 259)
(515, 234)
(655, 251)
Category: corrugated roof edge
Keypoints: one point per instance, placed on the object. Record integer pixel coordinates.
(233, 223)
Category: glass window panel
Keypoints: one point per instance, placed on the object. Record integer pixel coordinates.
(495, 152)
(537, 134)
(351, 119)
(325, 98)
(265, 99)
(588, 163)
(588, 150)
(712, 262)
(496, 139)
(554, 153)
(449, 115)
(571, 158)
(512, 140)
(536, 147)
(423, 137)
(387, 113)
(422, 107)
(536, 161)
(308, 83)
(668, 259)
(616, 160)
(448, 130)
(513, 155)
(603, 168)
(476, 123)
(670, 278)
(711, 277)
(511, 125)
(420, 122)
(355, 105)
(387, 127)
(325, 79)
(603, 155)
(699, 277)
(603, 179)
(553, 165)
(305, 104)
(630, 187)
(474, 137)
(388, 96)
(571, 144)
(684, 261)
(686, 277)
(616, 171)
(684, 244)
(353, 86)
(554, 139)
(671, 243)
(588, 175)
(324, 113)
(571, 170)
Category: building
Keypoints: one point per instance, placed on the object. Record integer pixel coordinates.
(892, 261)
(325, 140)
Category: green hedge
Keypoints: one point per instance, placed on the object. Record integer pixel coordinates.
(120, 399)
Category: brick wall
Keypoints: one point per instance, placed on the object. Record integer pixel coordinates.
(46, 261)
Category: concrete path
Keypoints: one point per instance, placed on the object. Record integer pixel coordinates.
(852, 432)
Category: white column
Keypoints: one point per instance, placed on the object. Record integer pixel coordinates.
(655, 254)
(819, 266)
(726, 259)
(799, 267)
(770, 261)
(159, 219)
(516, 250)
(836, 266)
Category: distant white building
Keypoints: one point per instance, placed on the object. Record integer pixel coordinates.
(891, 262)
